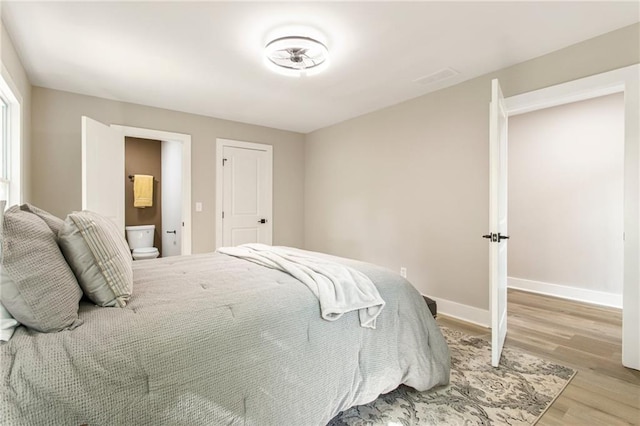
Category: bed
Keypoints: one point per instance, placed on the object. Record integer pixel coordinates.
(217, 340)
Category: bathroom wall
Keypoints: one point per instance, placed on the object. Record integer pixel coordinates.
(143, 157)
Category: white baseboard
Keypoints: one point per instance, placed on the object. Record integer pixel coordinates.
(567, 292)
(462, 312)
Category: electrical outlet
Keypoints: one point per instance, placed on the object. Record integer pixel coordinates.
(198, 206)
(403, 271)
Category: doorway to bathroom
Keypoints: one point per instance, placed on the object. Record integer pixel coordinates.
(162, 162)
(167, 157)
(104, 180)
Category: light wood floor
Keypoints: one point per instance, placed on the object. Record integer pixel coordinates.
(581, 336)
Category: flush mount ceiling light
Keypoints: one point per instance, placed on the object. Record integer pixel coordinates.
(296, 55)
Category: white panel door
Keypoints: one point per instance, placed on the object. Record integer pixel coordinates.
(498, 220)
(103, 170)
(246, 197)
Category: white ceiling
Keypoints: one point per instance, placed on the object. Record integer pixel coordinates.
(206, 58)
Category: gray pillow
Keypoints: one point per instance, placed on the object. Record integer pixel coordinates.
(36, 285)
(99, 256)
(53, 222)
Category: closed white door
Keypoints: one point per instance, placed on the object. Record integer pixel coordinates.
(498, 220)
(103, 170)
(246, 195)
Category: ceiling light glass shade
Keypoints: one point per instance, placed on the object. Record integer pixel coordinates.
(296, 56)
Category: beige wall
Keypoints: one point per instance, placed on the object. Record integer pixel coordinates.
(143, 157)
(11, 61)
(408, 185)
(56, 163)
(403, 186)
(566, 178)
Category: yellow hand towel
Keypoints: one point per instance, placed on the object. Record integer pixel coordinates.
(142, 191)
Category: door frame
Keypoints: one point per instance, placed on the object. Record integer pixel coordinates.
(627, 81)
(185, 141)
(220, 144)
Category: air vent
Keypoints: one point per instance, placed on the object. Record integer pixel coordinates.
(437, 76)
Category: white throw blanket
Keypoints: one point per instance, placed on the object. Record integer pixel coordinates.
(339, 288)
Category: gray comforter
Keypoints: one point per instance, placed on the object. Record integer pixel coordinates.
(215, 340)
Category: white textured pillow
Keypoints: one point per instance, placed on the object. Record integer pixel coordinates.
(99, 256)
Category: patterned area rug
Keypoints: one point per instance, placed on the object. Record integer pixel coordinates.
(516, 393)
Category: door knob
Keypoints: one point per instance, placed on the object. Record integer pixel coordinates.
(171, 232)
(493, 237)
(496, 238)
(262, 221)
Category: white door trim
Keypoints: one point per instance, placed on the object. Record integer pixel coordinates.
(220, 144)
(621, 80)
(185, 140)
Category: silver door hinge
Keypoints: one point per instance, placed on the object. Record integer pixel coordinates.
(223, 215)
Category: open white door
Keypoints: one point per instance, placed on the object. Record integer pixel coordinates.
(103, 170)
(498, 220)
